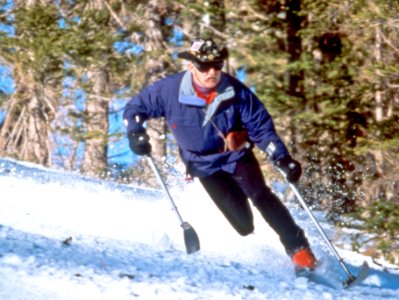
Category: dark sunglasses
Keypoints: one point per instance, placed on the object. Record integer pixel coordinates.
(206, 67)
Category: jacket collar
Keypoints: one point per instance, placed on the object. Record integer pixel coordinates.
(187, 93)
(188, 96)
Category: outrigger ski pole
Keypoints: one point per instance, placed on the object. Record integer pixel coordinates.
(351, 280)
(191, 239)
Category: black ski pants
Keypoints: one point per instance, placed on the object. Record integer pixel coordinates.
(230, 193)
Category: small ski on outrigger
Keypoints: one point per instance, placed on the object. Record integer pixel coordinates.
(319, 278)
(351, 280)
(191, 239)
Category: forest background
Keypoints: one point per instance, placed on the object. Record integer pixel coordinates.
(327, 71)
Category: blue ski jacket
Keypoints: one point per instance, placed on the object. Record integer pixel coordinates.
(197, 127)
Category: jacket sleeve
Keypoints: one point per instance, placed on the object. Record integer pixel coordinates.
(146, 105)
(259, 124)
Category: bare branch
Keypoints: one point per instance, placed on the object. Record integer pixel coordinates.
(115, 16)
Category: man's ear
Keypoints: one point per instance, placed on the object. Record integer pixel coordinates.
(190, 66)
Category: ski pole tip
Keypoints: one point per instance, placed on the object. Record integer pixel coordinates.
(364, 272)
(191, 239)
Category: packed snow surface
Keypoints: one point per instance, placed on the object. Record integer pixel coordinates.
(68, 237)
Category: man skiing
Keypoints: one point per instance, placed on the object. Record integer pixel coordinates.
(216, 120)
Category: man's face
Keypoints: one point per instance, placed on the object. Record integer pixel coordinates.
(207, 77)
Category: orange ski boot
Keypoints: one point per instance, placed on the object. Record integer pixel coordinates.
(304, 259)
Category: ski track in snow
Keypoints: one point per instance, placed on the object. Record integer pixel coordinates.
(64, 236)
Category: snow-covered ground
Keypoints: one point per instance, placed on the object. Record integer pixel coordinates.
(64, 236)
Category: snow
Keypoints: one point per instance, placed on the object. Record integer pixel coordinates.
(68, 237)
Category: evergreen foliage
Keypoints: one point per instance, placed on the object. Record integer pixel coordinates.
(37, 46)
(380, 222)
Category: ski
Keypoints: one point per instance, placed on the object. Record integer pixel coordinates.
(319, 278)
(351, 280)
(191, 239)
(316, 277)
(364, 272)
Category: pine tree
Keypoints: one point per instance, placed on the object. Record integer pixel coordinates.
(157, 64)
(99, 71)
(35, 53)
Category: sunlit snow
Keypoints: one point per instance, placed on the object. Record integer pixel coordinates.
(64, 236)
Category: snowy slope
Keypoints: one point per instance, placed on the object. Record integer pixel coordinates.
(64, 236)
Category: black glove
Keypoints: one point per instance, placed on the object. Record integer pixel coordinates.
(291, 168)
(139, 142)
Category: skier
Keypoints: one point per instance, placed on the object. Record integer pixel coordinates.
(216, 120)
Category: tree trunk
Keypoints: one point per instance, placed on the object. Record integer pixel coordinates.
(96, 119)
(96, 114)
(156, 66)
(378, 57)
(190, 20)
(25, 133)
(26, 130)
(217, 19)
(294, 49)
